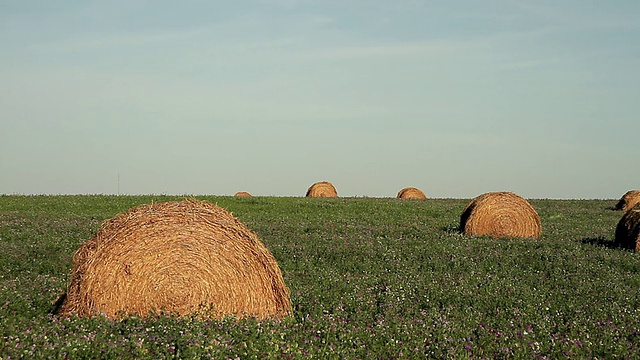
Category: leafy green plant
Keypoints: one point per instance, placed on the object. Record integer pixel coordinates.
(382, 278)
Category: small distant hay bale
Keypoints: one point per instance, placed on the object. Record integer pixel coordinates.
(181, 258)
(322, 189)
(242, 194)
(500, 214)
(628, 229)
(628, 200)
(411, 193)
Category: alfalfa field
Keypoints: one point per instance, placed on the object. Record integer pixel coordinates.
(369, 278)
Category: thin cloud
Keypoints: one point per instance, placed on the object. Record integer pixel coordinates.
(283, 3)
(594, 15)
(394, 50)
(530, 63)
(118, 40)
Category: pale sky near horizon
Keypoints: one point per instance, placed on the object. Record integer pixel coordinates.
(455, 97)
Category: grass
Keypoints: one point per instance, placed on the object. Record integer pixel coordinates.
(379, 278)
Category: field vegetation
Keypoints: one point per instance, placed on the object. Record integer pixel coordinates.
(369, 277)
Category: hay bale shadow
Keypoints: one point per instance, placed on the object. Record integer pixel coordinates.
(601, 241)
(57, 304)
(452, 229)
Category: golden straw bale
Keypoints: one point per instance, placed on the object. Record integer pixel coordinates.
(242, 194)
(628, 229)
(322, 189)
(628, 200)
(178, 257)
(500, 214)
(411, 193)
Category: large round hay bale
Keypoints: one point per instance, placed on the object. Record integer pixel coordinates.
(322, 189)
(500, 214)
(179, 257)
(242, 194)
(628, 229)
(411, 193)
(628, 200)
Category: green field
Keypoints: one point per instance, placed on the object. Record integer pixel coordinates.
(369, 278)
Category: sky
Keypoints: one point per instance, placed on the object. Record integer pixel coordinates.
(457, 98)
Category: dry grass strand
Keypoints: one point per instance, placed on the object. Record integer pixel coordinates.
(628, 229)
(628, 200)
(322, 189)
(179, 257)
(500, 214)
(411, 193)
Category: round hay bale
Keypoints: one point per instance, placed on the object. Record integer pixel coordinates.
(628, 229)
(411, 193)
(179, 257)
(500, 214)
(628, 200)
(322, 189)
(242, 194)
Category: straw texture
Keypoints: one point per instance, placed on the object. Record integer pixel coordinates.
(322, 189)
(628, 200)
(179, 257)
(242, 194)
(411, 193)
(628, 229)
(500, 214)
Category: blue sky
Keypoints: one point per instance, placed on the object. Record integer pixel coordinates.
(213, 97)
